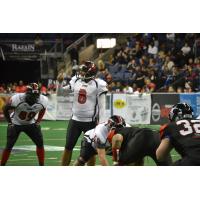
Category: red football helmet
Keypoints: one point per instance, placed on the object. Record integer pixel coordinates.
(116, 121)
(88, 70)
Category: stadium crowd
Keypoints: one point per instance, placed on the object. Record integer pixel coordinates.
(21, 87)
(145, 63)
(154, 63)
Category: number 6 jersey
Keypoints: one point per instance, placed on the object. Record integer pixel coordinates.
(86, 98)
(23, 113)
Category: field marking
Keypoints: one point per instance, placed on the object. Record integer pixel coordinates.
(59, 129)
(29, 159)
(17, 155)
(46, 147)
(3, 125)
(44, 128)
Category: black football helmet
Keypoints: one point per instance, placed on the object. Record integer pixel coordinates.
(116, 121)
(32, 93)
(180, 111)
(88, 70)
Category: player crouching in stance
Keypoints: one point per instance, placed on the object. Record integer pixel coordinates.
(25, 106)
(95, 140)
(183, 134)
(131, 144)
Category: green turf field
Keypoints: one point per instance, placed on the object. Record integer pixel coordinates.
(24, 154)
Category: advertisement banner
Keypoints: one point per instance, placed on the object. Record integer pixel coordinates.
(50, 113)
(161, 105)
(193, 100)
(3, 99)
(64, 107)
(108, 106)
(135, 109)
(18, 47)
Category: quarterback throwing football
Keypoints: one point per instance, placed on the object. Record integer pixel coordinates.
(88, 105)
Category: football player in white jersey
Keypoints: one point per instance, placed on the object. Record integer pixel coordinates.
(95, 141)
(23, 108)
(88, 105)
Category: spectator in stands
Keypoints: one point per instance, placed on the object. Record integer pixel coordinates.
(74, 54)
(179, 90)
(171, 89)
(2, 88)
(168, 62)
(128, 89)
(135, 88)
(139, 78)
(108, 78)
(51, 86)
(149, 87)
(112, 86)
(119, 87)
(43, 89)
(13, 89)
(38, 42)
(186, 49)
(9, 88)
(170, 37)
(152, 75)
(188, 87)
(21, 88)
(74, 68)
(152, 49)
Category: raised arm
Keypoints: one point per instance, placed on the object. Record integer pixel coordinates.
(63, 89)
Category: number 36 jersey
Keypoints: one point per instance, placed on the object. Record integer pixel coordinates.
(184, 136)
(23, 113)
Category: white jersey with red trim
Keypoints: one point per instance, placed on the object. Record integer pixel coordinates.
(98, 135)
(86, 98)
(23, 113)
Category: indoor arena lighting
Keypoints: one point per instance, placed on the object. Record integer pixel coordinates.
(106, 43)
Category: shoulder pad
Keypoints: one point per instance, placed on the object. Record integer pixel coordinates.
(101, 82)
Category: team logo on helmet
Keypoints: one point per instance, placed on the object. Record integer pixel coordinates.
(180, 111)
(116, 121)
(88, 70)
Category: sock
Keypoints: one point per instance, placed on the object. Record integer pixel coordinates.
(5, 156)
(40, 155)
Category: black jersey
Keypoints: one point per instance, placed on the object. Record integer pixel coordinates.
(138, 143)
(184, 136)
(130, 132)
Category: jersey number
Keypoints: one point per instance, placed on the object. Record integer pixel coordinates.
(189, 128)
(82, 96)
(26, 116)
